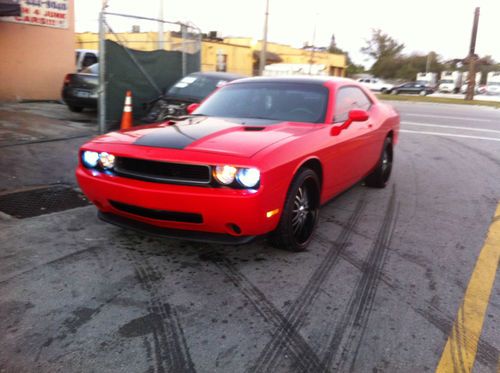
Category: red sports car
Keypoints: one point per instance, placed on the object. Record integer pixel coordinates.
(259, 156)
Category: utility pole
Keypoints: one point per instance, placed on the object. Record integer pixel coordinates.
(472, 58)
(263, 48)
(311, 58)
(160, 26)
(428, 64)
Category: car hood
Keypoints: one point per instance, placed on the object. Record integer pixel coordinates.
(232, 136)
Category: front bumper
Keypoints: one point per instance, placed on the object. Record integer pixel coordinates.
(237, 213)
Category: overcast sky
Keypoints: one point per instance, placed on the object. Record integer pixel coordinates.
(443, 26)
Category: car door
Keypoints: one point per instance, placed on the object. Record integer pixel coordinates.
(349, 156)
(406, 88)
(417, 87)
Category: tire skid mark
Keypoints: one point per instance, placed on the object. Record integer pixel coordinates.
(170, 351)
(472, 149)
(296, 315)
(487, 354)
(298, 347)
(350, 330)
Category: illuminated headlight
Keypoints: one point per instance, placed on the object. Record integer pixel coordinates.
(248, 177)
(225, 174)
(90, 159)
(107, 160)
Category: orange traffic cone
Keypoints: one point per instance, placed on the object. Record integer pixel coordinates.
(127, 112)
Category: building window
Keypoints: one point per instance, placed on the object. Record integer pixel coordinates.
(221, 64)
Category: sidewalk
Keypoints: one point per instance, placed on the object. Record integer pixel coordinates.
(39, 144)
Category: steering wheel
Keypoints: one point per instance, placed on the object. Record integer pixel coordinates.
(303, 112)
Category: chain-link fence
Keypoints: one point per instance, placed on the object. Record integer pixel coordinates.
(145, 62)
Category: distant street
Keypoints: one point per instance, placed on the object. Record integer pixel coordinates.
(378, 290)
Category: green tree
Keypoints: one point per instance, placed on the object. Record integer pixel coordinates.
(352, 68)
(386, 52)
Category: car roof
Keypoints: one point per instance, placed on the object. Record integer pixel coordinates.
(319, 80)
(220, 75)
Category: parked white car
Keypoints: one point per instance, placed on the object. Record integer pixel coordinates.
(375, 84)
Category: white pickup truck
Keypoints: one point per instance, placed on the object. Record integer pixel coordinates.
(375, 84)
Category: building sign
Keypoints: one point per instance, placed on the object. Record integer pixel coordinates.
(49, 13)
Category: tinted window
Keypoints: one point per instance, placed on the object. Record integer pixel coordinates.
(349, 98)
(195, 87)
(294, 102)
(89, 59)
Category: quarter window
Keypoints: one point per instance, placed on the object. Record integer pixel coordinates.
(347, 99)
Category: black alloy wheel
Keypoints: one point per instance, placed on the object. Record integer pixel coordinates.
(300, 214)
(380, 176)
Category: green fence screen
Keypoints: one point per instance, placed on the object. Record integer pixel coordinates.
(122, 74)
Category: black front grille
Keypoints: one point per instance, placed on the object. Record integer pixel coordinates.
(182, 217)
(162, 172)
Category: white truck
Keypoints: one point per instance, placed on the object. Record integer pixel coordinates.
(451, 82)
(375, 84)
(493, 83)
(465, 82)
(427, 79)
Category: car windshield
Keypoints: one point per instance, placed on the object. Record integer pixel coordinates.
(195, 87)
(446, 81)
(294, 102)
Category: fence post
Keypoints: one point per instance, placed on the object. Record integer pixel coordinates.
(184, 60)
(102, 80)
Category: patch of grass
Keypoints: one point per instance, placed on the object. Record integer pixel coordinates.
(439, 100)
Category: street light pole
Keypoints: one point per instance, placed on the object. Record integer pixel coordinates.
(160, 26)
(101, 108)
(311, 58)
(472, 58)
(263, 48)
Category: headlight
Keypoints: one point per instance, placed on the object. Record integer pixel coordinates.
(90, 159)
(225, 174)
(107, 160)
(248, 177)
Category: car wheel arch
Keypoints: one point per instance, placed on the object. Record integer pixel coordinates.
(314, 164)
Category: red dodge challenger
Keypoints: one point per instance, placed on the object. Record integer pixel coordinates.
(259, 156)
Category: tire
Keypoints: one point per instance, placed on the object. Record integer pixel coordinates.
(383, 91)
(300, 213)
(75, 109)
(395, 92)
(381, 174)
(423, 93)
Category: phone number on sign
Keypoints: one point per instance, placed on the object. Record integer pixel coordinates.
(48, 4)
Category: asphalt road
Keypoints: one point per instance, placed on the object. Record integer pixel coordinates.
(379, 289)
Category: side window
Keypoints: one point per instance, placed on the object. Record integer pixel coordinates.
(349, 98)
(89, 59)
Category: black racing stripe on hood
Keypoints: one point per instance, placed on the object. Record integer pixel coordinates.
(181, 136)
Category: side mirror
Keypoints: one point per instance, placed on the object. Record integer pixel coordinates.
(358, 115)
(192, 107)
(355, 115)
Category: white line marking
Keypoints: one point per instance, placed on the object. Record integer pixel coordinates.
(453, 127)
(451, 135)
(448, 117)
